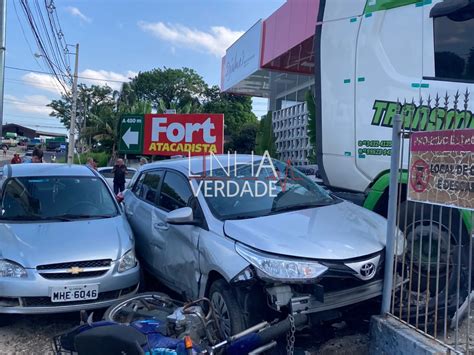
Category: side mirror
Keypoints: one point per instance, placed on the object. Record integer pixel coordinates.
(181, 216)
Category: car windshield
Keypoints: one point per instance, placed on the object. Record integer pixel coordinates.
(249, 193)
(63, 198)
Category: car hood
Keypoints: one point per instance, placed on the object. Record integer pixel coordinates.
(339, 231)
(33, 244)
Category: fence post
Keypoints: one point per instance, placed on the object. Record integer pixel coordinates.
(392, 213)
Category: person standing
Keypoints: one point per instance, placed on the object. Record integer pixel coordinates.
(143, 161)
(119, 171)
(91, 163)
(4, 148)
(37, 156)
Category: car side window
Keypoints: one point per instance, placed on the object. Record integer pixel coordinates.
(138, 184)
(147, 186)
(106, 173)
(175, 192)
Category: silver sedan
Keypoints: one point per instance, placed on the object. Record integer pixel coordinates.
(65, 244)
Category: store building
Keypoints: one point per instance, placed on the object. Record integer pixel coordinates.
(274, 59)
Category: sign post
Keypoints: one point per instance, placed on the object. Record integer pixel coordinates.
(441, 170)
(131, 134)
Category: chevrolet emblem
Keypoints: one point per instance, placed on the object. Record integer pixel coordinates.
(75, 270)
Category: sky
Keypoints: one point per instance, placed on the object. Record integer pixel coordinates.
(118, 39)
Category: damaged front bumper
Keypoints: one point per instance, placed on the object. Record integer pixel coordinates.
(336, 299)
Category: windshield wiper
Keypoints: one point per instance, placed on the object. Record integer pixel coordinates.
(302, 206)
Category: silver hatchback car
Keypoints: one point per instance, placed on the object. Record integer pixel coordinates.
(203, 230)
(65, 244)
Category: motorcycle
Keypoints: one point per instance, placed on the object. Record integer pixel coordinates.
(155, 324)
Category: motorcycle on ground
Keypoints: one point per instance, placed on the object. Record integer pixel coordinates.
(155, 324)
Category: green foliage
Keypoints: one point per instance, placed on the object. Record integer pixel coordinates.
(100, 108)
(102, 158)
(265, 137)
(176, 88)
(243, 141)
(311, 125)
(237, 109)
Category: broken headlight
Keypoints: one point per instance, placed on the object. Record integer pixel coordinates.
(281, 268)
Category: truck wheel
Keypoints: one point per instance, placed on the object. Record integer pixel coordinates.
(228, 311)
(419, 226)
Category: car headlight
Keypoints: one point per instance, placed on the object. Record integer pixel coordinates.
(127, 261)
(11, 269)
(399, 242)
(281, 268)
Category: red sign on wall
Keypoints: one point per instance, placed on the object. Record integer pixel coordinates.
(179, 134)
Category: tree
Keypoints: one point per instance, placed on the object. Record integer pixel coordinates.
(265, 137)
(172, 88)
(243, 142)
(93, 104)
(311, 129)
(237, 109)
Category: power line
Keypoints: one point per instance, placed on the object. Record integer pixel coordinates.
(52, 65)
(80, 77)
(14, 101)
(21, 82)
(24, 34)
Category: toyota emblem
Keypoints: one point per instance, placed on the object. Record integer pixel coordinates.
(367, 271)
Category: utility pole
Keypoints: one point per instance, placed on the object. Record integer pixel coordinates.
(72, 125)
(3, 36)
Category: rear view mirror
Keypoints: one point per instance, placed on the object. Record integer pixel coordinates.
(181, 216)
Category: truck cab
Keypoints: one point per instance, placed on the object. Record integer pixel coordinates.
(378, 57)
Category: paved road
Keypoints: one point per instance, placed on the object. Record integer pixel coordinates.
(46, 156)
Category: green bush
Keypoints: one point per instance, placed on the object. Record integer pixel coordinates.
(102, 158)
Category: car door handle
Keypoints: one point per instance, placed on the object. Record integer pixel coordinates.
(161, 226)
(129, 213)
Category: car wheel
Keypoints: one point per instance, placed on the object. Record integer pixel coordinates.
(420, 225)
(228, 311)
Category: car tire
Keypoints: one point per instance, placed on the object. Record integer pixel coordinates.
(416, 218)
(228, 311)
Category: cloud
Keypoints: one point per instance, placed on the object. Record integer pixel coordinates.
(31, 104)
(74, 11)
(102, 77)
(216, 41)
(42, 81)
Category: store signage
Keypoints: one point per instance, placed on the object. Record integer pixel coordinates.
(242, 59)
(181, 134)
(131, 134)
(441, 168)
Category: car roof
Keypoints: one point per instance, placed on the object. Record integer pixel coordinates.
(198, 164)
(45, 169)
(111, 167)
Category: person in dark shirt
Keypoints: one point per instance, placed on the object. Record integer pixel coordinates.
(119, 171)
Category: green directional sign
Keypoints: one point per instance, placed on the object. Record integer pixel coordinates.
(131, 134)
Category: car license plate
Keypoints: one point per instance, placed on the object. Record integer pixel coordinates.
(74, 293)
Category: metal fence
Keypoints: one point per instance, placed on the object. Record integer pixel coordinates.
(432, 271)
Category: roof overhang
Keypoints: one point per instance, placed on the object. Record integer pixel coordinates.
(241, 72)
(288, 37)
